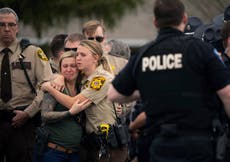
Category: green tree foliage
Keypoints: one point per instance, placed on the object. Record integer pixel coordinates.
(41, 14)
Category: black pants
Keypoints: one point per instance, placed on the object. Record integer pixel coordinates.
(227, 154)
(16, 144)
(91, 147)
(182, 149)
(143, 144)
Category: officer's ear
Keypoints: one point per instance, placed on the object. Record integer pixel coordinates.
(155, 22)
(185, 19)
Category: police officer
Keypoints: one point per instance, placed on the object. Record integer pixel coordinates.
(19, 101)
(177, 77)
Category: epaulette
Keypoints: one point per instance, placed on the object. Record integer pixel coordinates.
(24, 43)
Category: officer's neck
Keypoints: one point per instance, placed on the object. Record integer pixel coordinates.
(183, 23)
(180, 27)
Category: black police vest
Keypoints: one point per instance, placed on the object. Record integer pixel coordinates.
(173, 90)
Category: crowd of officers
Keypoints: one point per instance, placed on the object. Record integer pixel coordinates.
(172, 96)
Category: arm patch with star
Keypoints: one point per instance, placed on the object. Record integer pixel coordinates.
(41, 55)
(97, 83)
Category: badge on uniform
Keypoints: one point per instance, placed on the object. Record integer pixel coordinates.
(97, 83)
(41, 55)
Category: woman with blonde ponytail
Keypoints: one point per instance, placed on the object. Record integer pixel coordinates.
(97, 52)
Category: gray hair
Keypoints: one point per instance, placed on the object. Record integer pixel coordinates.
(119, 49)
(74, 37)
(7, 10)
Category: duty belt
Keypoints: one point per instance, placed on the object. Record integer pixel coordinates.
(5, 106)
(59, 148)
(172, 130)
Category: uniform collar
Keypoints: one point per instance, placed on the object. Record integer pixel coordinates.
(169, 32)
(54, 65)
(13, 47)
(96, 72)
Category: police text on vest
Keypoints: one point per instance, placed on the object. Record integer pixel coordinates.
(162, 62)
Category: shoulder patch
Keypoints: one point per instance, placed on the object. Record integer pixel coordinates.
(97, 83)
(41, 55)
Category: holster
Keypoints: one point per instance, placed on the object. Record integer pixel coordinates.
(118, 135)
(220, 133)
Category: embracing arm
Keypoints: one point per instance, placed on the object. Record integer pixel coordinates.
(139, 122)
(64, 99)
(78, 107)
(115, 96)
(47, 110)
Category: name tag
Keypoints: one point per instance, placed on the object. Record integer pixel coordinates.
(17, 65)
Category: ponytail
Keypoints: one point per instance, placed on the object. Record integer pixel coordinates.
(104, 62)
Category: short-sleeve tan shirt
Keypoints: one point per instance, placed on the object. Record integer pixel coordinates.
(95, 88)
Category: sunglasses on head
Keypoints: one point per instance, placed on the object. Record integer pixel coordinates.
(97, 38)
(70, 49)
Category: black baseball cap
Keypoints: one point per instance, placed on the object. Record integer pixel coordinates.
(193, 24)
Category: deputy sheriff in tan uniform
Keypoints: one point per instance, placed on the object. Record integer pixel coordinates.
(18, 102)
(38, 69)
(99, 113)
(95, 89)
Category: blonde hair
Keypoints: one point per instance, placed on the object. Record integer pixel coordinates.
(67, 54)
(95, 48)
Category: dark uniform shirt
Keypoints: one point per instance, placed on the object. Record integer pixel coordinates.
(177, 77)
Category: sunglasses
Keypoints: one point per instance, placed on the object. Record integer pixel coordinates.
(97, 38)
(70, 49)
